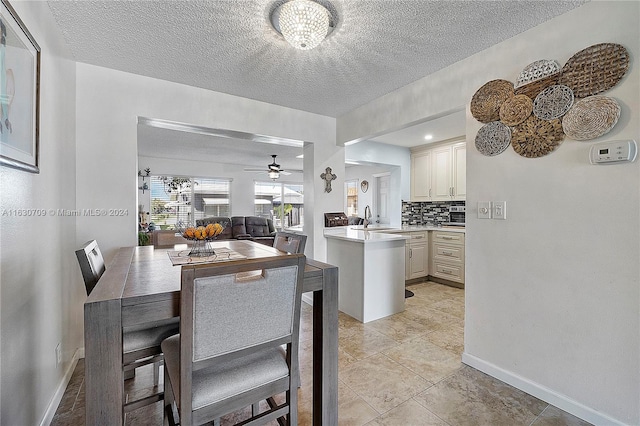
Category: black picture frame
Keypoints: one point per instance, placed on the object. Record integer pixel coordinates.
(19, 93)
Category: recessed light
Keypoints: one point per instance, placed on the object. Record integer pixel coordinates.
(428, 137)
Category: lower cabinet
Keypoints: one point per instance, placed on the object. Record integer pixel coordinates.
(417, 255)
(447, 255)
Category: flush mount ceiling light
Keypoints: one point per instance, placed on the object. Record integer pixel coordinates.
(303, 23)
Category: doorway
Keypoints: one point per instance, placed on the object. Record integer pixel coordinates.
(382, 198)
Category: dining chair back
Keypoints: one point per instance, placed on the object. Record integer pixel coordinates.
(140, 345)
(91, 264)
(235, 317)
(290, 242)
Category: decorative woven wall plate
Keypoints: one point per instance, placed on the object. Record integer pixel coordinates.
(486, 102)
(537, 70)
(595, 69)
(532, 89)
(493, 138)
(591, 118)
(553, 102)
(515, 110)
(535, 138)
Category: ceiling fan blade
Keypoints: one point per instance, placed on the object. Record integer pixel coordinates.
(255, 169)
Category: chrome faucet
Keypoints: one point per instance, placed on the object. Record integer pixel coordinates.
(367, 216)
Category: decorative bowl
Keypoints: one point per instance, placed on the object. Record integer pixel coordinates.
(201, 235)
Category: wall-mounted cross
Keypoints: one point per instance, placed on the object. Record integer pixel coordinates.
(327, 176)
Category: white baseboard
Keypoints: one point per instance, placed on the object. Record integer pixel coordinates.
(57, 396)
(541, 392)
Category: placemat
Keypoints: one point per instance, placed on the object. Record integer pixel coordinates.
(535, 137)
(595, 69)
(515, 110)
(553, 102)
(591, 117)
(493, 138)
(536, 71)
(486, 102)
(223, 254)
(535, 87)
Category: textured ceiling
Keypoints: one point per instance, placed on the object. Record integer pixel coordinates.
(229, 46)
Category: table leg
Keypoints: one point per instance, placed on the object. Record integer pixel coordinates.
(325, 351)
(104, 390)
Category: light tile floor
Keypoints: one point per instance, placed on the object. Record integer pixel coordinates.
(402, 370)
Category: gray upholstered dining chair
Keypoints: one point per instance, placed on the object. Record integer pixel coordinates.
(290, 242)
(140, 345)
(235, 317)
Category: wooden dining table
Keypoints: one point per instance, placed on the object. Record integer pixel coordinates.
(142, 287)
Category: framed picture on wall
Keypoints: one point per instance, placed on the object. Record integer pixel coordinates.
(19, 93)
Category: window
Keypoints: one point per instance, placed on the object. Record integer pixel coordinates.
(281, 202)
(351, 192)
(176, 199)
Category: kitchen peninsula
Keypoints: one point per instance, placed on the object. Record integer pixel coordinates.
(371, 271)
(371, 265)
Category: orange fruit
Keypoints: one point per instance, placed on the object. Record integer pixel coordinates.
(190, 233)
(200, 233)
(218, 228)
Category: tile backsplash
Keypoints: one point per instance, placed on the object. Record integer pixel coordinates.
(427, 212)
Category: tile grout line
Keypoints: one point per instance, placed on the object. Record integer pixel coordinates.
(75, 400)
(538, 416)
(437, 416)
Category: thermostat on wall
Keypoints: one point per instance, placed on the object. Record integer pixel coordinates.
(613, 152)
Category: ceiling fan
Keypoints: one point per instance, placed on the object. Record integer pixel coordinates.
(273, 170)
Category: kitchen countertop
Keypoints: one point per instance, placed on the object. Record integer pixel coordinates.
(378, 233)
(412, 228)
(359, 234)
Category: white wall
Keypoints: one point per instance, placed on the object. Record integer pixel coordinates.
(41, 290)
(368, 173)
(380, 153)
(552, 293)
(108, 104)
(399, 160)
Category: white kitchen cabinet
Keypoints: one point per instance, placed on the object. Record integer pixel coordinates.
(417, 255)
(439, 173)
(370, 271)
(459, 171)
(447, 255)
(421, 176)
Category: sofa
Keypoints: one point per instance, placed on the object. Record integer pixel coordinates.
(255, 228)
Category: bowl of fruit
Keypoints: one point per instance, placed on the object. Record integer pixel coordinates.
(201, 235)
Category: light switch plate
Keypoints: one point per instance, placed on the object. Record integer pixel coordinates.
(484, 209)
(500, 210)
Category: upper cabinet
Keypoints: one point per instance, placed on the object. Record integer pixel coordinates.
(421, 176)
(459, 171)
(439, 173)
